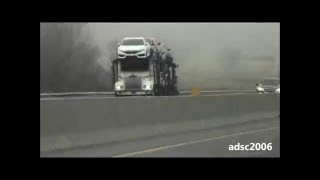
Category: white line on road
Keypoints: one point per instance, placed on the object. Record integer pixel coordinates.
(193, 142)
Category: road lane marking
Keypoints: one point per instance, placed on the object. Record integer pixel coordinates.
(192, 142)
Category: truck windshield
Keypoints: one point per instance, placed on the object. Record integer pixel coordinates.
(132, 42)
(134, 65)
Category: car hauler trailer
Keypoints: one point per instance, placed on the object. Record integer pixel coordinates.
(144, 76)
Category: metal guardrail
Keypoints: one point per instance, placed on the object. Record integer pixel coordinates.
(75, 94)
(111, 93)
(216, 91)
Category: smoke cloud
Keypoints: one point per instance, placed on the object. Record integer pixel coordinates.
(76, 57)
(68, 61)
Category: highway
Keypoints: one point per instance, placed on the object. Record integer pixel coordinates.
(203, 143)
(178, 126)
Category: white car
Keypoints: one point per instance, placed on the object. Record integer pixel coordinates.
(268, 85)
(133, 47)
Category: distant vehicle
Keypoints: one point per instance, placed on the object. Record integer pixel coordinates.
(135, 46)
(268, 85)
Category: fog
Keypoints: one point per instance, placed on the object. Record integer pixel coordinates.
(68, 61)
(210, 55)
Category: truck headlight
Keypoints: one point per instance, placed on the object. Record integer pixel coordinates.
(147, 85)
(119, 87)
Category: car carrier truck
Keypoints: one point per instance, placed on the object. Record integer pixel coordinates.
(138, 70)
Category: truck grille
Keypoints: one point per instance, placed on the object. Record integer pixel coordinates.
(133, 83)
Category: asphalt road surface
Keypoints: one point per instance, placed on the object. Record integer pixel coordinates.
(203, 143)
